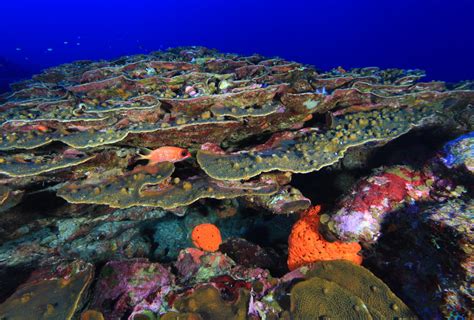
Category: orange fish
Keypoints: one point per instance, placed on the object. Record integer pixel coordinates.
(42, 128)
(171, 154)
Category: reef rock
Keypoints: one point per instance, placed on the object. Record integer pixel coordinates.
(427, 258)
(359, 215)
(135, 285)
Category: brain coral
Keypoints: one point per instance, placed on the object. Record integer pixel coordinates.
(306, 244)
(317, 298)
(377, 296)
(340, 289)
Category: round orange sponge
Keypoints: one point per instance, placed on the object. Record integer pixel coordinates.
(207, 237)
(306, 244)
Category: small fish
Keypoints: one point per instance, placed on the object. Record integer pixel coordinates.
(35, 127)
(322, 91)
(171, 154)
(42, 128)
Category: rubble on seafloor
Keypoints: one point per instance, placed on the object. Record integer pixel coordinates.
(387, 157)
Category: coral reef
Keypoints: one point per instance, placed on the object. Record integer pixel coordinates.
(99, 113)
(118, 167)
(212, 286)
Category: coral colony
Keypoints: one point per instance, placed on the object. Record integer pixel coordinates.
(168, 186)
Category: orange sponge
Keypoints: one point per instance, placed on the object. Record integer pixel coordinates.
(306, 244)
(207, 237)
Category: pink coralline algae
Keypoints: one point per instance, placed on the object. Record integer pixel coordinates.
(131, 285)
(359, 214)
(195, 265)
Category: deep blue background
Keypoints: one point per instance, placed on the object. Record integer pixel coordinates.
(434, 35)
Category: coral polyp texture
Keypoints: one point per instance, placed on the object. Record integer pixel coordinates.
(345, 291)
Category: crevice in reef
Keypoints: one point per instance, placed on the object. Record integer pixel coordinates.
(415, 149)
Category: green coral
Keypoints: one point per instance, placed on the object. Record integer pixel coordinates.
(358, 282)
(148, 186)
(317, 298)
(49, 298)
(311, 150)
(24, 165)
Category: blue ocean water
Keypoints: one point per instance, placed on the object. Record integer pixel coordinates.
(434, 35)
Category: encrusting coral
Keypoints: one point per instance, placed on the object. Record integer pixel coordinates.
(307, 245)
(206, 303)
(51, 293)
(317, 298)
(194, 97)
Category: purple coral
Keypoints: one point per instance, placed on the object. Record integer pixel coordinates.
(129, 285)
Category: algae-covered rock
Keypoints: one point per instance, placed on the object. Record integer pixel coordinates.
(197, 266)
(9, 198)
(133, 286)
(427, 257)
(358, 216)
